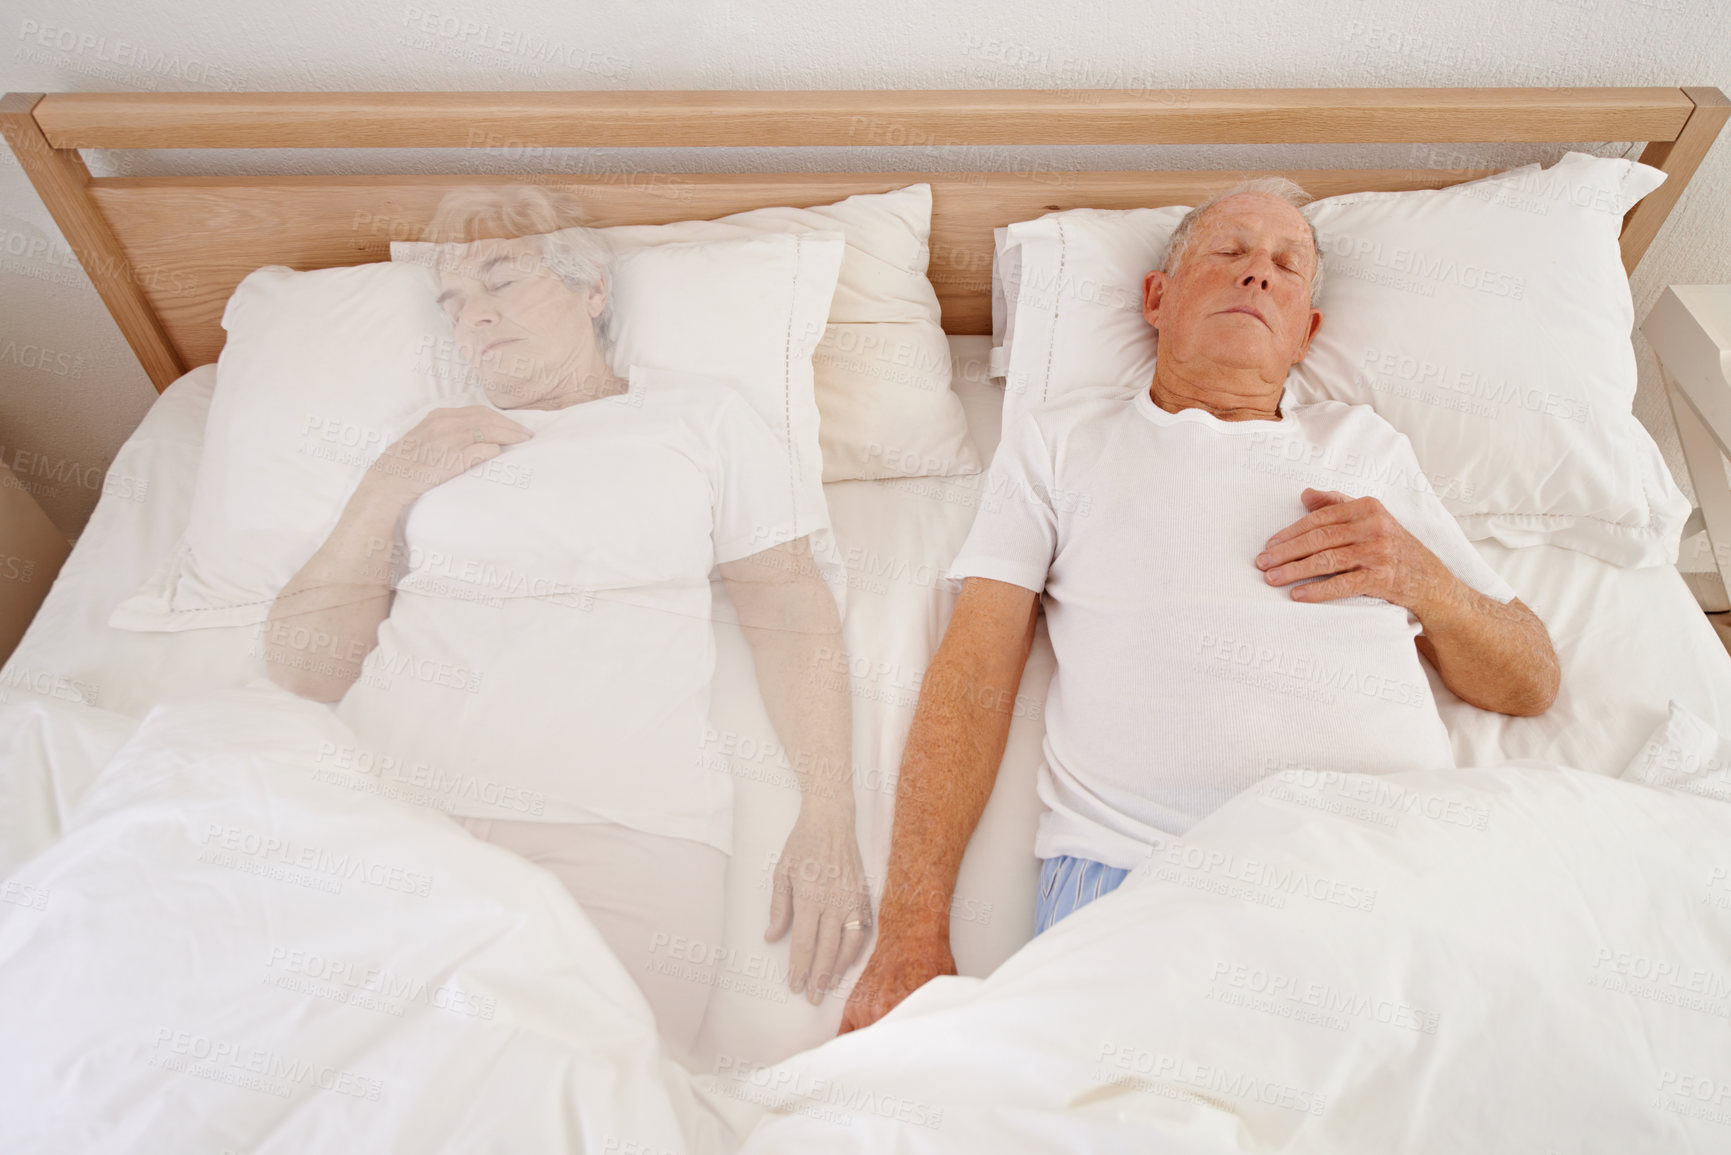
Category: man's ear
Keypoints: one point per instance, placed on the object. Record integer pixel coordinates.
(1315, 324)
(1154, 295)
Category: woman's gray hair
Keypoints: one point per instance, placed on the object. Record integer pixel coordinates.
(581, 258)
(1277, 187)
(552, 218)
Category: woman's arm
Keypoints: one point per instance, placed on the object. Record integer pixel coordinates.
(789, 619)
(325, 621)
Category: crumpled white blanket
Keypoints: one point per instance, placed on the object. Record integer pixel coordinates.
(1520, 959)
(238, 945)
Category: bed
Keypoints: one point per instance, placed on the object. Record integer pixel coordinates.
(979, 1062)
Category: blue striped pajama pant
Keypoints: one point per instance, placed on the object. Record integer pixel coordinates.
(1068, 883)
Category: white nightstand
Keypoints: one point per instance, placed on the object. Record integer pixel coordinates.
(1690, 329)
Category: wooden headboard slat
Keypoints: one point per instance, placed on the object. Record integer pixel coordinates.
(1679, 158)
(850, 118)
(167, 252)
(63, 182)
(192, 239)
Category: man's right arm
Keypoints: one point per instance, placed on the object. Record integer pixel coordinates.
(961, 726)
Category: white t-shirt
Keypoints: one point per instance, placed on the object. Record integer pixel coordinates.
(1183, 677)
(548, 655)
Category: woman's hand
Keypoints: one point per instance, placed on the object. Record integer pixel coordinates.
(819, 885)
(443, 444)
(326, 620)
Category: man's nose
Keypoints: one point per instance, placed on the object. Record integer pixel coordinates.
(1256, 276)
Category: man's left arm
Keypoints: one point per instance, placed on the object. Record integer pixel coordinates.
(1494, 655)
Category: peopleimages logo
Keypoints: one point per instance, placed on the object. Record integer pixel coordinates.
(253, 852)
(1178, 1077)
(1433, 267)
(1663, 979)
(98, 54)
(1258, 988)
(422, 782)
(252, 1067)
(1380, 367)
(1305, 670)
(513, 44)
(369, 987)
(800, 1093)
(50, 685)
(1370, 790)
(1043, 289)
(1273, 877)
(42, 358)
(1372, 472)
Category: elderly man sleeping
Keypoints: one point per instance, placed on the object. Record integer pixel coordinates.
(1233, 584)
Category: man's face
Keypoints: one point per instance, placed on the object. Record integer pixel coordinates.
(1241, 296)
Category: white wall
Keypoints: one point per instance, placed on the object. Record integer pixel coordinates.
(70, 389)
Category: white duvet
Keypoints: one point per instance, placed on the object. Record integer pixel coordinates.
(1520, 959)
(238, 945)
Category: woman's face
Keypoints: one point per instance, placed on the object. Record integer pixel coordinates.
(525, 333)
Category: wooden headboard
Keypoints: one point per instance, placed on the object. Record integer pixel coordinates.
(165, 253)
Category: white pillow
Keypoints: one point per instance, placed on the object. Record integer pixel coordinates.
(319, 371)
(882, 370)
(323, 369)
(1686, 754)
(1523, 297)
(1073, 316)
(1006, 284)
(752, 310)
(1490, 322)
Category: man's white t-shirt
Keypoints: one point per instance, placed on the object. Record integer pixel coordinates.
(548, 655)
(1183, 677)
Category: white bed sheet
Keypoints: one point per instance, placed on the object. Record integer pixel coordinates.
(1630, 640)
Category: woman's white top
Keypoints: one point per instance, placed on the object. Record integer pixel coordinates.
(549, 652)
(1183, 677)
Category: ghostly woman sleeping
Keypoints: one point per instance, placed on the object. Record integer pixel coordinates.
(604, 505)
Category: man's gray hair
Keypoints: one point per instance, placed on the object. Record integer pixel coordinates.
(1277, 187)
